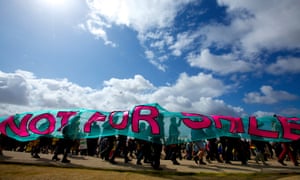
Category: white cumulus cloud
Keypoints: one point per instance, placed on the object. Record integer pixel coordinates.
(258, 25)
(139, 15)
(222, 64)
(284, 66)
(13, 88)
(268, 95)
(144, 17)
(198, 93)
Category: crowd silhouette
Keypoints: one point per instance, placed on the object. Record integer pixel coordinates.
(202, 152)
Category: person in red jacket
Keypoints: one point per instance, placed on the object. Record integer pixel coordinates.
(287, 150)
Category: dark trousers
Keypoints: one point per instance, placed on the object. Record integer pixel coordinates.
(156, 148)
(63, 147)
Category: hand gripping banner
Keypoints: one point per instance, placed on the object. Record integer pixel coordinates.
(149, 122)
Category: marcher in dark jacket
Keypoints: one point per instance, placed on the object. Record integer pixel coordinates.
(64, 144)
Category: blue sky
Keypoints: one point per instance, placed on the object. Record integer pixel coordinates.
(212, 57)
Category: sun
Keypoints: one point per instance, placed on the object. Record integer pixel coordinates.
(55, 3)
(57, 8)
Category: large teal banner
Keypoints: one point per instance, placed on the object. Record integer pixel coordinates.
(149, 122)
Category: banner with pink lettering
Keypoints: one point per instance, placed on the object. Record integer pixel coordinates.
(149, 122)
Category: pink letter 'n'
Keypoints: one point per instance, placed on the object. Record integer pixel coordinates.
(21, 130)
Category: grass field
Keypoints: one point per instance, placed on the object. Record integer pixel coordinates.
(30, 172)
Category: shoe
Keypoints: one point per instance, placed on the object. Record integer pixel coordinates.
(296, 164)
(228, 162)
(196, 160)
(36, 156)
(126, 160)
(55, 158)
(220, 161)
(176, 163)
(244, 163)
(208, 160)
(65, 161)
(282, 163)
(112, 162)
(202, 163)
(138, 163)
(157, 168)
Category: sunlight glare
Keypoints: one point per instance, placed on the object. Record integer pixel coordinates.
(55, 3)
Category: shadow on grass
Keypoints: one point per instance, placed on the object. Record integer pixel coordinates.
(165, 174)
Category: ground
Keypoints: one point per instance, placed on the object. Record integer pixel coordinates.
(33, 172)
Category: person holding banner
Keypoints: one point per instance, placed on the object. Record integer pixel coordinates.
(143, 147)
(173, 149)
(259, 151)
(35, 148)
(106, 146)
(227, 143)
(220, 151)
(1, 142)
(121, 145)
(198, 146)
(199, 151)
(156, 145)
(287, 150)
(64, 144)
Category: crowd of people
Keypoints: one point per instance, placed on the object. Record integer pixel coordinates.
(222, 150)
